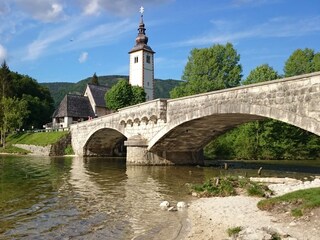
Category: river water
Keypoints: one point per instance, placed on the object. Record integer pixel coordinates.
(97, 198)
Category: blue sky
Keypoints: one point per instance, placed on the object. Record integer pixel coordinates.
(69, 40)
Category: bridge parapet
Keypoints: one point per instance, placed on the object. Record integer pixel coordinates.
(293, 100)
(144, 112)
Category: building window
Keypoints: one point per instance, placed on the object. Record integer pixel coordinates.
(148, 84)
(148, 59)
(136, 59)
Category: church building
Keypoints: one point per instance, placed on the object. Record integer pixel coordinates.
(76, 108)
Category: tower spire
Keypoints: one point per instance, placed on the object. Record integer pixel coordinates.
(142, 62)
(141, 39)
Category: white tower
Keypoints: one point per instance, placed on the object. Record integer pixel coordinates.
(142, 62)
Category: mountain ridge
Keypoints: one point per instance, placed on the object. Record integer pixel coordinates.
(59, 89)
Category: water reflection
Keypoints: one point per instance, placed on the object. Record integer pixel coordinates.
(97, 198)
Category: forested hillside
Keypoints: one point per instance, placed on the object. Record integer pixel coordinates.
(59, 89)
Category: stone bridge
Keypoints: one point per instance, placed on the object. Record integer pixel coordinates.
(174, 131)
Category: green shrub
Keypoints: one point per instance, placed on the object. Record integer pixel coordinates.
(68, 150)
(254, 189)
(227, 186)
(233, 231)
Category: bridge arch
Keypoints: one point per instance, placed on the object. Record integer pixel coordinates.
(107, 142)
(192, 131)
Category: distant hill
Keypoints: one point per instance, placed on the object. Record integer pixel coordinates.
(59, 89)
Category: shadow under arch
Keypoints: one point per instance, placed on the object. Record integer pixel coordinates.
(105, 142)
(193, 135)
(192, 131)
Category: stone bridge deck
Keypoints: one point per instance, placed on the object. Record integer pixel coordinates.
(174, 131)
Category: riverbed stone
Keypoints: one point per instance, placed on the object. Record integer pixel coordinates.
(164, 205)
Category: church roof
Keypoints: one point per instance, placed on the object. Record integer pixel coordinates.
(98, 93)
(74, 106)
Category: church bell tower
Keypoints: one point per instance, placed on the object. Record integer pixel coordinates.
(142, 62)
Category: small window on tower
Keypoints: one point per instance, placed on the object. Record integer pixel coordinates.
(136, 59)
(148, 84)
(148, 59)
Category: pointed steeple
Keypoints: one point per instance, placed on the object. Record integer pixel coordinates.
(141, 71)
(141, 39)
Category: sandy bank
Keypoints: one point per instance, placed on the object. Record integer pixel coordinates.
(211, 217)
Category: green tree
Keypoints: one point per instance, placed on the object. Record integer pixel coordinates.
(14, 111)
(139, 95)
(261, 73)
(244, 141)
(261, 139)
(94, 79)
(316, 62)
(5, 80)
(119, 96)
(210, 69)
(302, 62)
(39, 101)
(123, 94)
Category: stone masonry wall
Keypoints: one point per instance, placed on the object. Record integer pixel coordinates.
(56, 149)
(35, 150)
(292, 100)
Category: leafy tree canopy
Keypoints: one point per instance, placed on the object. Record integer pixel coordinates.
(5, 80)
(261, 139)
(139, 95)
(261, 73)
(123, 94)
(14, 112)
(302, 62)
(38, 99)
(210, 69)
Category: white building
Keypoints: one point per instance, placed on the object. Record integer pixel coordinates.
(142, 62)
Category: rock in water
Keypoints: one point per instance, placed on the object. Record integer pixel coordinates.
(164, 205)
(181, 205)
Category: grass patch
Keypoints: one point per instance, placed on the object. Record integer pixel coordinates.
(275, 236)
(12, 149)
(233, 231)
(39, 138)
(296, 202)
(68, 150)
(229, 186)
(255, 189)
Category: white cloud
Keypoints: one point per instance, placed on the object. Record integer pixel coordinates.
(92, 7)
(3, 53)
(46, 11)
(74, 36)
(273, 28)
(119, 7)
(52, 40)
(83, 57)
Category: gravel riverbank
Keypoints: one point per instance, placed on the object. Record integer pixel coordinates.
(211, 217)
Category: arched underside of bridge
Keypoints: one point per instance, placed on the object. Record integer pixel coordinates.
(193, 135)
(105, 142)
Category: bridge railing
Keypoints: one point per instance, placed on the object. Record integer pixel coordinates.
(148, 111)
(297, 95)
(153, 110)
(250, 86)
